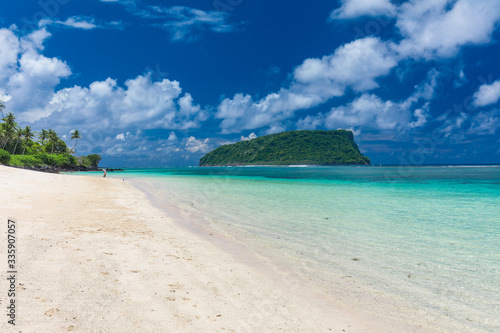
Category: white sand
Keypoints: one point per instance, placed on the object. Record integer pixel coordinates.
(95, 256)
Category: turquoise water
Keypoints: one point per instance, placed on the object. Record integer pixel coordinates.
(427, 235)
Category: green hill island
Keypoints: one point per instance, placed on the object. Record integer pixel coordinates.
(290, 148)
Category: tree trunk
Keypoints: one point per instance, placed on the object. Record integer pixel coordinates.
(15, 147)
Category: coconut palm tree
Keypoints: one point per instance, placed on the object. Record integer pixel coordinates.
(53, 139)
(75, 135)
(10, 119)
(42, 135)
(8, 129)
(2, 106)
(28, 135)
(18, 133)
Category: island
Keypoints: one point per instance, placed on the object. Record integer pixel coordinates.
(304, 147)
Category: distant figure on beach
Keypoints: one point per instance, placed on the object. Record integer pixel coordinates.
(104, 170)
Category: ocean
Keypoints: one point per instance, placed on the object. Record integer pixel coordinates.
(425, 237)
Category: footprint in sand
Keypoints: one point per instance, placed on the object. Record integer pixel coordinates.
(51, 312)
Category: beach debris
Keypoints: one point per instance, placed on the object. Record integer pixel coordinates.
(170, 298)
(355, 259)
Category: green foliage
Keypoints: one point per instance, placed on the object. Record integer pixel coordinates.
(4, 156)
(94, 160)
(40, 159)
(288, 148)
(65, 160)
(24, 160)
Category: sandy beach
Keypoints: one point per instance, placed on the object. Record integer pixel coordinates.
(94, 255)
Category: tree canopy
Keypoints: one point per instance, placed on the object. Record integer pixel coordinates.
(290, 148)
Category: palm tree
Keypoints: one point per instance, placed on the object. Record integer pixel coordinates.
(8, 128)
(75, 135)
(42, 135)
(2, 106)
(9, 119)
(28, 135)
(53, 139)
(18, 133)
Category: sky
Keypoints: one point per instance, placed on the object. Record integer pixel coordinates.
(161, 83)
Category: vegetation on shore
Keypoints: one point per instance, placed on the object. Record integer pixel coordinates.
(22, 147)
(290, 148)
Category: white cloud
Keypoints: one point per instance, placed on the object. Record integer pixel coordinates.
(310, 122)
(439, 28)
(356, 64)
(72, 22)
(79, 22)
(357, 8)
(370, 112)
(250, 137)
(431, 28)
(487, 94)
(315, 81)
(172, 136)
(9, 51)
(193, 145)
(142, 104)
(27, 77)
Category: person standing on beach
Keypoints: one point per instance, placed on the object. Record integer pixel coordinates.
(104, 170)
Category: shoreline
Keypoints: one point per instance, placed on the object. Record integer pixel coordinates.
(96, 256)
(58, 170)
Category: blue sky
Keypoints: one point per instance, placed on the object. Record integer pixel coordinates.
(160, 83)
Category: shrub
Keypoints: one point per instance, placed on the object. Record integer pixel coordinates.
(4, 156)
(45, 158)
(64, 160)
(24, 160)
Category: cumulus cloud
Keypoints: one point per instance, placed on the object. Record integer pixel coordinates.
(487, 94)
(27, 77)
(142, 103)
(357, 8)
(193, 145)
(354, 65)
(249, 137)
(440, 28)
(431, 28)
(370, 112)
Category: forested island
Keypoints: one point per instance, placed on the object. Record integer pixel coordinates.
(290, 148)
(44, 150)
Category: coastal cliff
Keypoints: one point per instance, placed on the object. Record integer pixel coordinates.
(290, 148)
